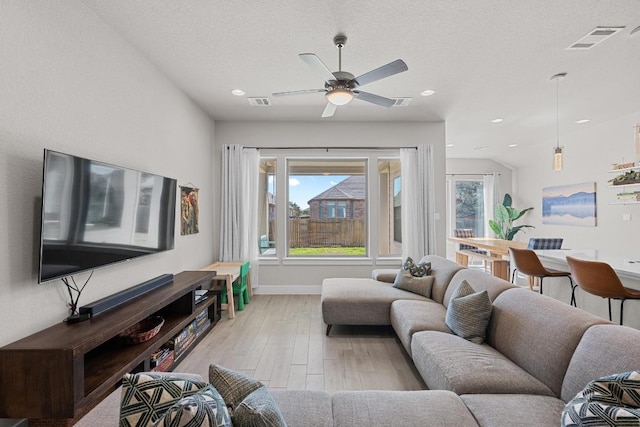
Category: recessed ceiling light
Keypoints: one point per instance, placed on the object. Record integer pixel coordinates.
(237, 92)
(581, 121)
(498, 120)
(449, 145)
(513, 145)
(427, 92)
(480, 148)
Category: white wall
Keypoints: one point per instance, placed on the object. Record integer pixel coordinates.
(589, 154)
(69, 83)
(278, 276)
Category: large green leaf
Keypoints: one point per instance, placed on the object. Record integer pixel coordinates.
(495, 227)
(522, 212)
(507, 200)
(501, 213)
(515, 229)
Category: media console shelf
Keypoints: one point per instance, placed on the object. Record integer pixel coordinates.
(57, 375)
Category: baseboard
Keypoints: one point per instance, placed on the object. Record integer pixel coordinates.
(287, 290)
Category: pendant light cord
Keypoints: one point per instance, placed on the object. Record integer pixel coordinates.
(557, 112)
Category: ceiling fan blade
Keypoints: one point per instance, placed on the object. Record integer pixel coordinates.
(329, 110)
(298, 92)
(314, 62)
(395, 67)
(374, 99)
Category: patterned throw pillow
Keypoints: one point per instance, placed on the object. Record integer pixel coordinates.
(258, 409)
(468, 313)
(417, 285)
(205, 408)
(146, 397)
(417, 270)
(610, 401)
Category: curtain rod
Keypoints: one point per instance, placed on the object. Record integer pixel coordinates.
(470, 174)
(328, 148)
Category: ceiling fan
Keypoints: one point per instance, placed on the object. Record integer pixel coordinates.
(341, 87)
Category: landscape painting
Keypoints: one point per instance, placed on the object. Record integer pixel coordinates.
(573, 204)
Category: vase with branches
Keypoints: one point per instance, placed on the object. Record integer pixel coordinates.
(74, 290)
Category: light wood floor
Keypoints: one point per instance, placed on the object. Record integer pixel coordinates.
(280, 340)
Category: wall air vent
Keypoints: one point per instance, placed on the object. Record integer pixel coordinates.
(594, 37)
(259, 102)
(401, 102)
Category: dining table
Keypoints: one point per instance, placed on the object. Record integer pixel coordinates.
(497, 249)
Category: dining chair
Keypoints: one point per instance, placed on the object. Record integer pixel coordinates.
(599, 278)
(545, 243)
(239, 286)
(527, 262)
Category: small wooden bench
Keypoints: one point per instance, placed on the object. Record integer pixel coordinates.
(499, 267)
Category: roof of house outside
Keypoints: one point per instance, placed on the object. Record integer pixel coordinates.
(352, 188)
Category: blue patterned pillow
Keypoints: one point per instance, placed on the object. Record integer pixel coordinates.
(145, 397)
(417, 270)
(468, 313)
(205, 408)
(610, 401)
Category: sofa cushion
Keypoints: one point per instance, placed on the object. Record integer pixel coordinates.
(442, 271)
(448, 362)
(610, 401)
(468, 313)
(258, 409)
(360, 301)
(385, 274)
(417, 285)
(603, 350)
(524, 321)
(508, 410)
(145, 397)
(305, 408)
(479, 281)
(423, 268)
(399, 408)
(409, 317)
(205, 408)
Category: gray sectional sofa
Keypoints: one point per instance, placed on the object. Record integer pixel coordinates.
(538, 354)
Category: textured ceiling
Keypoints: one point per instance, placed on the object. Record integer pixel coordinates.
(485, 59)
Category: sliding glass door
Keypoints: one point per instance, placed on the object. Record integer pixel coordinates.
(465, 207)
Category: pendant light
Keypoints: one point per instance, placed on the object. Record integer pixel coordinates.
(557, 152)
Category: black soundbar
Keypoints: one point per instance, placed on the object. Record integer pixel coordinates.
(114, 300)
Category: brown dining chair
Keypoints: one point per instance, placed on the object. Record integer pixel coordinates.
(598, 278)
(527, 262)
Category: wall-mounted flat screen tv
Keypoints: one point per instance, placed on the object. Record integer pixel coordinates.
(95, 214)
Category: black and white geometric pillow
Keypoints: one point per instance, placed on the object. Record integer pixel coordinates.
(146, 397)
(610, 401)
(206, 408)
(417, 270)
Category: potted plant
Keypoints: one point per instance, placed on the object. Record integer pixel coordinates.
(505, 215)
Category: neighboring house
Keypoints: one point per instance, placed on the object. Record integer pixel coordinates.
(344, 200)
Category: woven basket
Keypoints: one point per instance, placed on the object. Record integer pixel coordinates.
(142, 331)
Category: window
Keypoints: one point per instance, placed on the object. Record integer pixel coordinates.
(328, 207)
(465, 207)
(390, 230)
(267, 206)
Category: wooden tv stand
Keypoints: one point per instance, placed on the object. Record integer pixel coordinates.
(57, 375)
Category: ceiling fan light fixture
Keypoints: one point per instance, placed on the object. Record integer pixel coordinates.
(339, 96)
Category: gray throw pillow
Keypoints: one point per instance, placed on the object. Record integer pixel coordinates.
(258, 409)
(468, 313)
(417, 285)
(232, 386)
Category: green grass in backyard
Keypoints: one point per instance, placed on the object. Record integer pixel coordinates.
(351, 251)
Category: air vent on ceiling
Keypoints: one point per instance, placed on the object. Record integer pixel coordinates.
(259, 102)
(594, 37)
(401, 102)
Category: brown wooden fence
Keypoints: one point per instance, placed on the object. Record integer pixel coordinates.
(326, 232)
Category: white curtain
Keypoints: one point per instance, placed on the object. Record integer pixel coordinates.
(418, 202)
(239, 203)
(491, 188)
